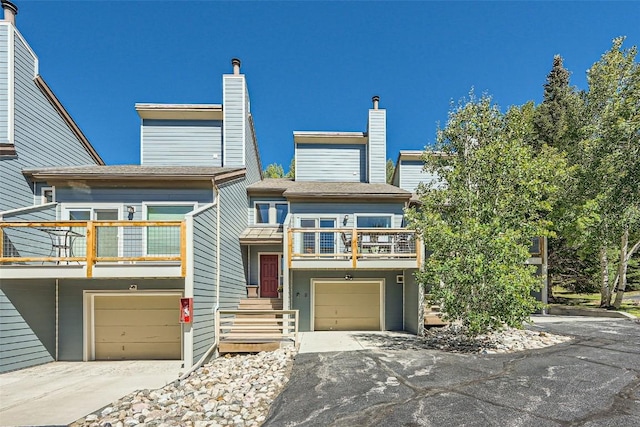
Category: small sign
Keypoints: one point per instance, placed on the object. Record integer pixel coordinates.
(186, 310)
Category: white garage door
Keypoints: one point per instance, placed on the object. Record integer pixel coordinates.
(137, 327)
(347, 306)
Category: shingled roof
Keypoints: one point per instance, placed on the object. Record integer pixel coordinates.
(303, 189)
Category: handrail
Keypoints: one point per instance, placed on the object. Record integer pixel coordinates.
(256, 327)
(31, 239)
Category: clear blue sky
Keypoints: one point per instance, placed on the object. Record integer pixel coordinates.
(309, 65)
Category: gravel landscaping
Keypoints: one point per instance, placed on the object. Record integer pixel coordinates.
(238, 390)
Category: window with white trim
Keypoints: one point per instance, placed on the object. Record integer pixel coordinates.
(270, 212)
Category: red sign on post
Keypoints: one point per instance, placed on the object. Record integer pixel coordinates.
(186, 310)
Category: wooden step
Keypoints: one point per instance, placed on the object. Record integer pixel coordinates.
(246, 347)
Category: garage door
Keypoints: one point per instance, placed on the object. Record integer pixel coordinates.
(137, 327)
(347, 306)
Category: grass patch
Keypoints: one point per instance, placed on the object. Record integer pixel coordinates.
(565, 297)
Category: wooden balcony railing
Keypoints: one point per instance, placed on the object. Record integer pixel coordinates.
(92, 242)
(353, 244)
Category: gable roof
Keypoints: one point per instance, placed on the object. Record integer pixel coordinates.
(326, 189)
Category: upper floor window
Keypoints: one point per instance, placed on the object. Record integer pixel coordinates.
(47, 195)
(271, 212)
(373, 221)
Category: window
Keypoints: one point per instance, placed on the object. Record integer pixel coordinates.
(373, 221)
(318, 242)
(271, 212)
(107, 238)
(165, 240)
(47, 195)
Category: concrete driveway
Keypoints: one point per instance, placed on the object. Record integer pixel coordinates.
(592, 381)
(61, 392)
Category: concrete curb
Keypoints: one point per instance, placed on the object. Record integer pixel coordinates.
(563, 310)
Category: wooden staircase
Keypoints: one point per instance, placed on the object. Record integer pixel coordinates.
(433, 316)
(259, 324)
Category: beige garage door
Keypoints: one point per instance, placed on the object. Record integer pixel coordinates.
(137, 327)
(347, 306)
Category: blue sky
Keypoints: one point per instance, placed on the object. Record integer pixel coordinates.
(309, 65)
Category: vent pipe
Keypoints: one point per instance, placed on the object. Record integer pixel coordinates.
(236, 66)
(10, 11)
(376, 100)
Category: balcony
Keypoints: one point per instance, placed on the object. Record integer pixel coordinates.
(75, 249)
(373, 248)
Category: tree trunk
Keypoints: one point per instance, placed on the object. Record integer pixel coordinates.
(630, 253)
(605, 292)
(622, 268)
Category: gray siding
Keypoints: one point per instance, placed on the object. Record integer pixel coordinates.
(339, 210)
(234, 120)
(412, 173)
(182, 142)
(27, 323)
(70, 312)
(204, 281)
(411, 302)
(301, 294)
(27, 241)
(377, 146)
(331, 162)
(4, 83)
(42, 137)
(233, 281)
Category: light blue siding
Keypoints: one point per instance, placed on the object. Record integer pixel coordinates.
(204, 280)
(377, 146)
(412, 173)
(252, 163)
(182, 142)
(234, 120)
(4, 84)
(331, 162)
(301, 294)
(27, 323)
(411, 301)
(339, 210)
(42, 137)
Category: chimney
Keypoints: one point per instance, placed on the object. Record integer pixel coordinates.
(236, 65)
(10, 11)
(376, 100)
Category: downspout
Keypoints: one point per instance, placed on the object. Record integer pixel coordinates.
(214, 346)
(57, 319)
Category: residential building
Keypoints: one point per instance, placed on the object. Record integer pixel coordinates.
(101, 272)
(333, 239)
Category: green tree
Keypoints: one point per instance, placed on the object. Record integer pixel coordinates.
(292, 169)
(478, 227)
(390, 170)
(273, 170)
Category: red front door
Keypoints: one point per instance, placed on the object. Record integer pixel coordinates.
(269, 280)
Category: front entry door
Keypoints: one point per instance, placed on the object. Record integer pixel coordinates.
(269, 277)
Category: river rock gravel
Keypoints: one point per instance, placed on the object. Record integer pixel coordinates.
(238, 390)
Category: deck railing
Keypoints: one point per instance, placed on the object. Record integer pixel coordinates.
(92, 242)
(256, 326)
(353, 244)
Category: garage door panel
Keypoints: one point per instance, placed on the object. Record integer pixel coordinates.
(137, 302)
(136, 317)
(151, 351)
(137, 327)
(347, 306)
(129, 334)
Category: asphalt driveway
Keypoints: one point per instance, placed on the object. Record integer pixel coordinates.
(593, 380)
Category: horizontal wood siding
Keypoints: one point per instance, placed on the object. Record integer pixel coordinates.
(412, 173)
(182, 142)
(27, 241)
(234, 119)
(42, 137)
(27, 323)
(339, 210)
(331, 162)
(252, 164)
(377, 146)
(204, 280)
(71, 303)
(233, 200)
(4, 84)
